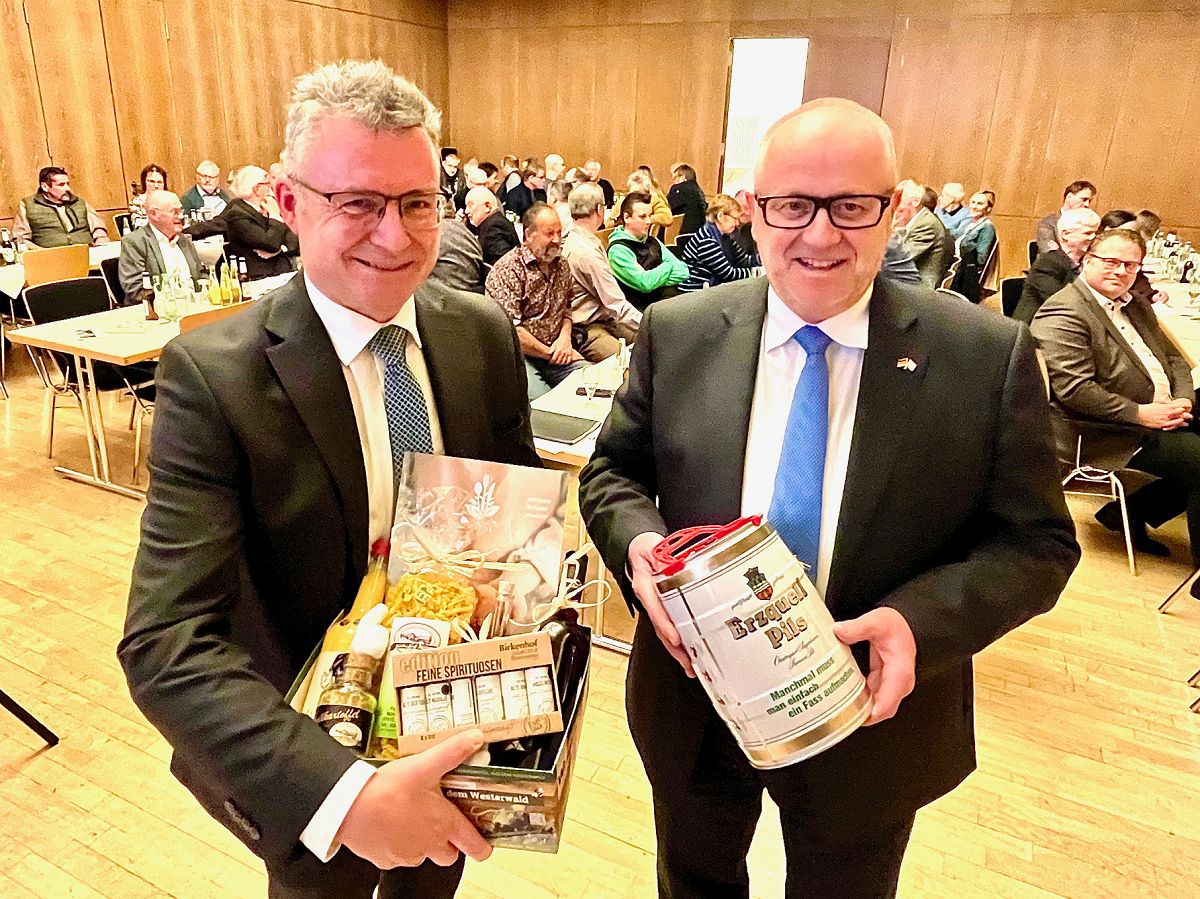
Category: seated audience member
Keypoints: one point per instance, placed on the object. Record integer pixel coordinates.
(55, 217)
(1123, 218)
(591, 168)
(1121, 385)
(495, 232)
(1058, 267)
(253, 230)
(452, 180)
(974, 250)
(1147, 224)
(922, 234)
(744, 236)
(639, 182)
(493, 175)
(897, 264)
(950, 209)
(159, 247)
(711, 257)
(206, 193)
(601, 315)
(475, 177)
(555, 165)
(687, 199)
(533, 284)
(645, 268)
(153, 177)
(532, 188)
(510, 176)
(1076, 195)
(556, 196)
(460, 259)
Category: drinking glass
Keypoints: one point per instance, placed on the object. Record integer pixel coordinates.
(591, 381)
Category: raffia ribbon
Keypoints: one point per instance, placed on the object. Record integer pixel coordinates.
(421, 556)
(568, 588)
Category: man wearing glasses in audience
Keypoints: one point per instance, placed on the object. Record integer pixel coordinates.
(279, 435)
(901, 446)
(1122, 386)
(206, 196)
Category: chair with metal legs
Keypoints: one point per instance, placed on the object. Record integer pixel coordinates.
(1091, 474)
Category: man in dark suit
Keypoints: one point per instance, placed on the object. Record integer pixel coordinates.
(158, 247)
(938, 523)
(1057, 267)
(532, 188)
(206, 195)
(496, 233)
(923, 237)
(1121, 385)
(591, 168)
(278, 436)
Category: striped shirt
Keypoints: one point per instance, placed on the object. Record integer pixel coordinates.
(712, 260)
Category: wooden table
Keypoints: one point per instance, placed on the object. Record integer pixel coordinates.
(565, 400)
(1179, 318)
(121, 337)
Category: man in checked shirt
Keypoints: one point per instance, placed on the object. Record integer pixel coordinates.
(533, 284)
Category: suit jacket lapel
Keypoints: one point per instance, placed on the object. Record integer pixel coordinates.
(886, 394)
(735, 346)
(454, 365)
(311, 375)
(189, 253)
(152, 243)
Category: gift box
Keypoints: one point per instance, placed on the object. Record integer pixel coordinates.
(519, 801)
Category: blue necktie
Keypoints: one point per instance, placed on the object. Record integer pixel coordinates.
(407, 415)
(796, 504)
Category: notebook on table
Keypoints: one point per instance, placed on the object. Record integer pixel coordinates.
(561, 428)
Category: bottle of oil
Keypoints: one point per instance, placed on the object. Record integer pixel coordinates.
(346, 709)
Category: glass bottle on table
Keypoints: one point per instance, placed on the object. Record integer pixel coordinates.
(148, 297)
(8, 250)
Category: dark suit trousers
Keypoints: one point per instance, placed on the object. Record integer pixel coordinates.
(347, 876)
(1175, 457)
(705, 829)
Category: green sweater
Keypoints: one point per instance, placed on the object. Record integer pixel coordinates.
(626, 267)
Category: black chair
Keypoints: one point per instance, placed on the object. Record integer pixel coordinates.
(1010, 294)
(682, 241)
(109, 268)
(59, 300)
(124, 223)
(1033, 252)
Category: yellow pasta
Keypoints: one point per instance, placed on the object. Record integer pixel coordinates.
(430, 595)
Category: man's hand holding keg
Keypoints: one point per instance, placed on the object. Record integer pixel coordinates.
(893, 671)
(641, 576)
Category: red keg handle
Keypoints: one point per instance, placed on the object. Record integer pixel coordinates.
(672, 553)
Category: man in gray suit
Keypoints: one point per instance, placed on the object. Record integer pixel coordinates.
(460, 258)
(158, 247)
(927, 498)
(277, 437)
(922, 235)
(1122, 386)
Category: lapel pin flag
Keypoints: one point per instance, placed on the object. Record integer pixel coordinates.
(906, 363)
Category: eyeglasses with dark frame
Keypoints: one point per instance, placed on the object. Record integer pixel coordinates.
(1113, 264)
(419, 209)
(849, 212)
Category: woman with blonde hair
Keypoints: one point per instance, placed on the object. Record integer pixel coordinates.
(711, 255)
(975, 249)
(254, 231)
(641, 182)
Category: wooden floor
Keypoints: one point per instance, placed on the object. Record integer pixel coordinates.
(1088, 784)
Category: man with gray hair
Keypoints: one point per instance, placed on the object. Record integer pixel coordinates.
(900, 445)
(206, 194)
(279, 438)
(950, 209)
(591, 168)
(923, 237)
(601, 315)
(157, 248)
(1058, 266)
(487, 220)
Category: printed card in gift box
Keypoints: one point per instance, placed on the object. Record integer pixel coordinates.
(476, 539)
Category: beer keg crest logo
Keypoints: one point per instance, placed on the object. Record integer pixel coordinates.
(759, 584)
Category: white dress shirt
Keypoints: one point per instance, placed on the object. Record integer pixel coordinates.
(780, 361)
(1115, 309)
(174, 262)
(350, 332)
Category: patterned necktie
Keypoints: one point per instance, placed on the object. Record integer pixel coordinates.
(796, 504)
(407, 415)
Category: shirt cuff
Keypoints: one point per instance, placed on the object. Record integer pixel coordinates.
(320, 836)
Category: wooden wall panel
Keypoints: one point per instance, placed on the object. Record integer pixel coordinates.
(21, 121)
(68, 51)
(135, 37)
(195, 88)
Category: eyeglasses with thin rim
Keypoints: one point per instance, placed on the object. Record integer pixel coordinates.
(419, 209)
(849, 212)
(1114, 264)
